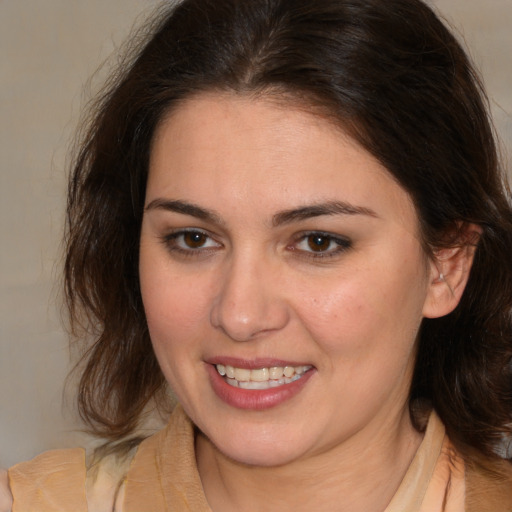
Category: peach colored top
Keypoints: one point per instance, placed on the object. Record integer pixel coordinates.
(162, 476)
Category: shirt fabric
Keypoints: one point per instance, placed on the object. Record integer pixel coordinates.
(162, 476)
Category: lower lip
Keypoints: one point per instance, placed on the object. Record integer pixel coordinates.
(255, 399)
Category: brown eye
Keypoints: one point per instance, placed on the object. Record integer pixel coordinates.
(194, 239)
(319, 243)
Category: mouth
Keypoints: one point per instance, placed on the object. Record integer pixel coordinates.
(261, 378)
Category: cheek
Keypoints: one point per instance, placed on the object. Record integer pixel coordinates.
(374, 309)
(341, 319)
(172, 310)
(173, 303)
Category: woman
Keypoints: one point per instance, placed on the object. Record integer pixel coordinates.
(292, 212)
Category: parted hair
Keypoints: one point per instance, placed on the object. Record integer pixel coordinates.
(395, 79)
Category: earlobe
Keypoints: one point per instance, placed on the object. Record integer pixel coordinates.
(449, 273)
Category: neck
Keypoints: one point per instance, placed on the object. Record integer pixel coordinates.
(362, 474)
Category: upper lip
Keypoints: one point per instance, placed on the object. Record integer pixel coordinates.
(254, 364)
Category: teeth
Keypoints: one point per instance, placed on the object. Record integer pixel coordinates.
(288, 371)
(242, 374)
(261, 378)
(253, 385)
(276, 372)
(260, 375)
(232, 382)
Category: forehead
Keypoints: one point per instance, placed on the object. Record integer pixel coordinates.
(225, 149)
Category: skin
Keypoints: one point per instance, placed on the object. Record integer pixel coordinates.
(252, 287)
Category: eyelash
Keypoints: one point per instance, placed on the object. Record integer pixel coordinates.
(341, 244)
(172, 239)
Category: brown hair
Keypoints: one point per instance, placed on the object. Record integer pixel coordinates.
(396, 80)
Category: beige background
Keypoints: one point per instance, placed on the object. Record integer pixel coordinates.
(48, 50)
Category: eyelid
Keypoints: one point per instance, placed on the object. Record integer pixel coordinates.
(342, 244)
(337, 244)
(170, 240)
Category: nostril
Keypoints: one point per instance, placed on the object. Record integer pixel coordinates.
(248, 304)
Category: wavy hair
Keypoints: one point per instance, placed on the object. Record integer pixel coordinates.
(394, 78)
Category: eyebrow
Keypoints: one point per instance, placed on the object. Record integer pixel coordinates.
(317, 210)
(284, 217)
(185, 208)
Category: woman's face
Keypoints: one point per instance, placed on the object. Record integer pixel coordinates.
(275, 249)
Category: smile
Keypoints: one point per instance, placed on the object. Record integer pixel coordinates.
(261, 378)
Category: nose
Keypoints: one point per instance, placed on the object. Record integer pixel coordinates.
(250, 301)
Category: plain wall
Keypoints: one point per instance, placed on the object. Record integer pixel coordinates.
(49, 49)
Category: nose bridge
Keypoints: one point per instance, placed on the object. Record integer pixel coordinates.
(248, 302)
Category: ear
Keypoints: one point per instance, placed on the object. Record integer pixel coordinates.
(449, 272)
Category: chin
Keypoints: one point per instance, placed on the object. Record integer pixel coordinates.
(263, 449)
(259, 457)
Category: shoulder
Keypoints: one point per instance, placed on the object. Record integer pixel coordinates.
(54, 477)
(106, 479)
(5, 492)
(488, 485)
